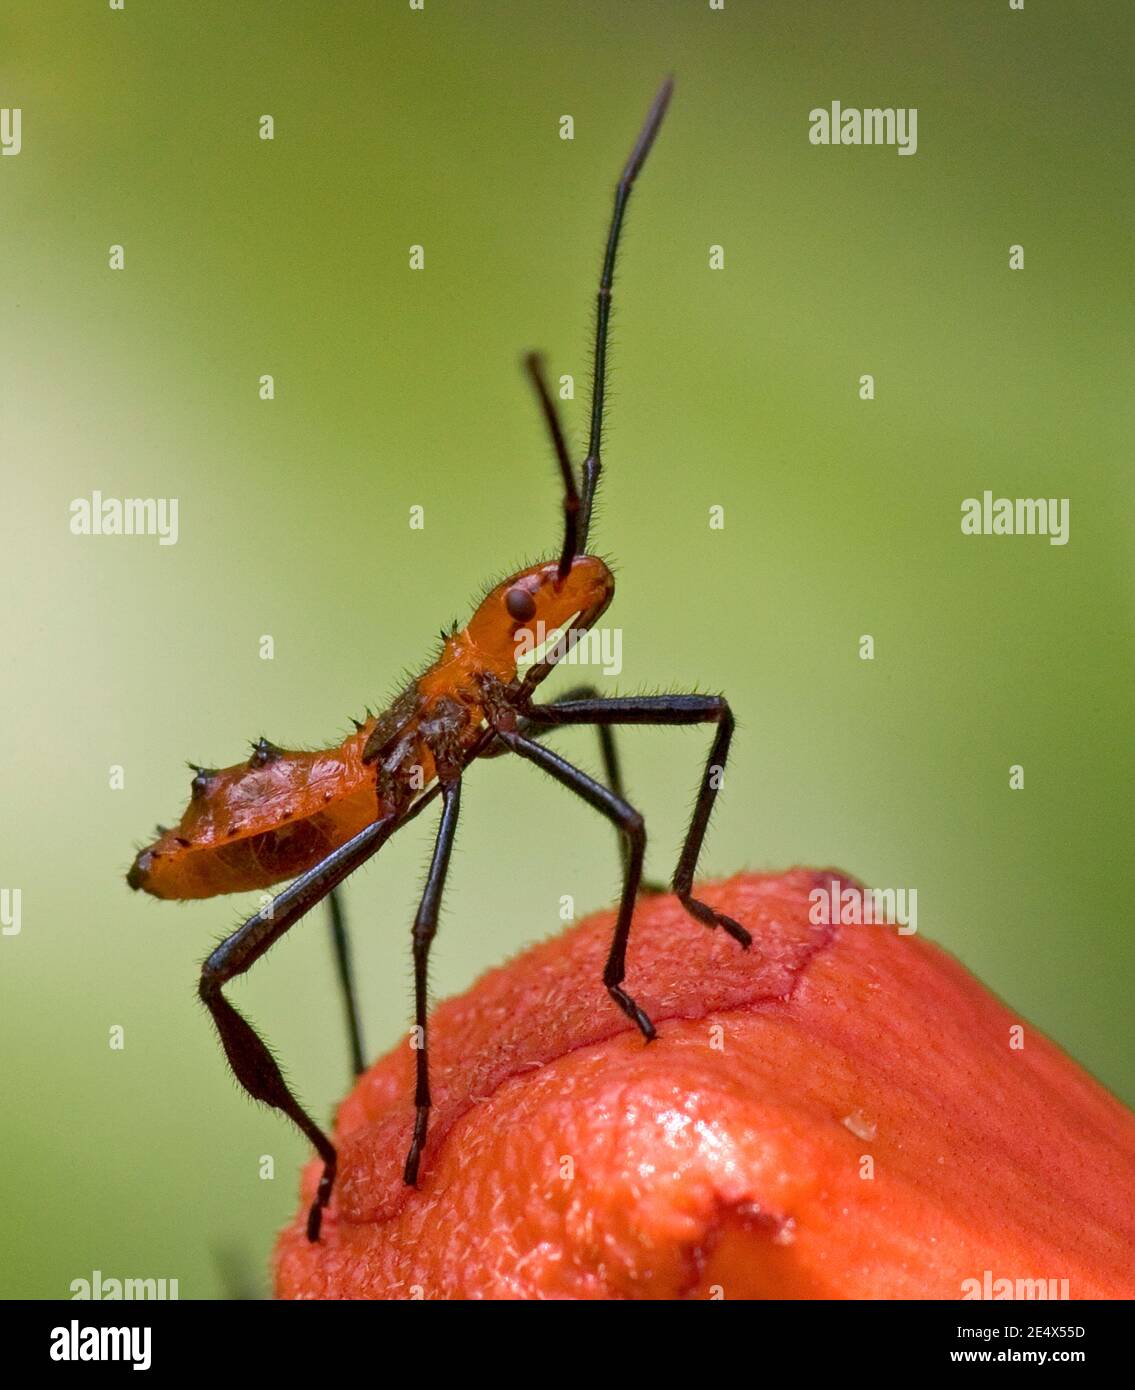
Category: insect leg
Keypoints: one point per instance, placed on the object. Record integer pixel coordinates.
(612, 767)
(607, 750)
(425, 927)
(340, 944)
(253, 1065)
(669, 709)
(631, 824)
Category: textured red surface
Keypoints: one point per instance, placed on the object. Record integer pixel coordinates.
(569, 1159)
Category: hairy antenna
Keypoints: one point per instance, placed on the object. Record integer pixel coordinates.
(592, 464)
(534, 365)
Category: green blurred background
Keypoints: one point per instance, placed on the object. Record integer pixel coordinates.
(736, 387)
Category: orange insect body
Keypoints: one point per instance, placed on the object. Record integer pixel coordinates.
(261, 822)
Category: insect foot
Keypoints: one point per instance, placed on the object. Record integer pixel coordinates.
(711, 918)
(322, 1197)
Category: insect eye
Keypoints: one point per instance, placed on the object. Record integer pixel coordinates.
(520, 604)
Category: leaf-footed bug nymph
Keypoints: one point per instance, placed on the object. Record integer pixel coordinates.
(315, 817)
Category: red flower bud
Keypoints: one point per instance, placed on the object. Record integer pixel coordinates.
(843, 1112)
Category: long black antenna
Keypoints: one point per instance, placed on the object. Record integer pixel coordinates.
(592, 463)
(534, 366)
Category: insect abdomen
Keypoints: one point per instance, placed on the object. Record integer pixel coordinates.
(258, 823)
